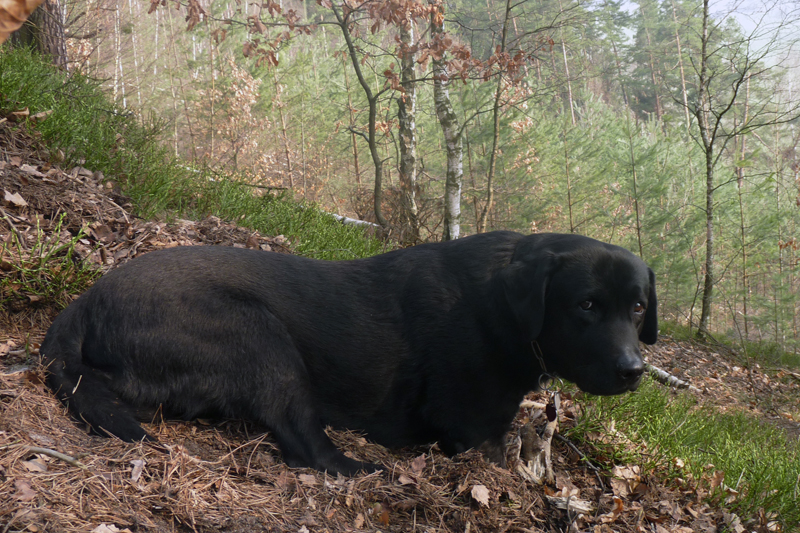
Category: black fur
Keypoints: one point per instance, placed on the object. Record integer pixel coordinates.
(421, 345)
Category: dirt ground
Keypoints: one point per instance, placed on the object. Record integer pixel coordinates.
(228, 476)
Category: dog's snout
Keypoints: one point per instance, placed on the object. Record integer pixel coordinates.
(630, 367)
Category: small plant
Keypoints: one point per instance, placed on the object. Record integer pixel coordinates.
(46, 273)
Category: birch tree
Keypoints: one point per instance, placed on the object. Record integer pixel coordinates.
(451, 128)
(406, 118)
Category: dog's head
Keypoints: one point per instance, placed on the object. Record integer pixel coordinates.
(587, 304)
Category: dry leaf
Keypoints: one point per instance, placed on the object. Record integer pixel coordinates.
(13, 13)
(109, 528)
(14, 198)
(620, 487)
(24, 491)
(38, 117)
(575, 505)
(102, 232)
(308, 479)
(138, 468)
(308, 520)
(285, 481)
(31, 170)
(383, 517)
(418, 464)
(358, 523)
(717, 479)
(615, 512)
(35, 465)
(481, 494)
(626, 472)
(405, 480)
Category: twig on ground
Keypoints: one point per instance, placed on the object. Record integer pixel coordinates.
(583, 457)
(794, 375)
(662, 376)
(49, 452)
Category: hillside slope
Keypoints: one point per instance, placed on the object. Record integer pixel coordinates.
(228, 476)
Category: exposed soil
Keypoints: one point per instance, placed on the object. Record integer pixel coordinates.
(228, 476)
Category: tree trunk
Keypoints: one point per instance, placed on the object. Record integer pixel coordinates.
(487, 207)
(372, 101)
(652, 64)
(680, 65)
(702, 113)
(740, 153)
(44, 32)
(452, 136)
(284, 132)
(566, 71)
(406, 118)
(352, 126)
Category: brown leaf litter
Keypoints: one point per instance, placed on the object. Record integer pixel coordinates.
(227, 475)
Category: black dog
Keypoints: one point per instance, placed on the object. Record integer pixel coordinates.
(427, 344)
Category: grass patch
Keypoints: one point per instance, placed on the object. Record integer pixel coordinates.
(46, 273)
(758, 460)
(84, 128)
(311, 232)
(91, 131)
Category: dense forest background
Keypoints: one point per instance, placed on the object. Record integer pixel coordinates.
(668, 127)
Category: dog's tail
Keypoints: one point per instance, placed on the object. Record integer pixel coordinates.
(85, 390)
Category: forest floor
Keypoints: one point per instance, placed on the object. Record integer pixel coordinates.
(228, 476)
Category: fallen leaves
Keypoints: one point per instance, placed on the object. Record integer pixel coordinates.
(43, 208)
(109, 528)
(14, 198)
(24, 491)
(480, 494)
(137, 469)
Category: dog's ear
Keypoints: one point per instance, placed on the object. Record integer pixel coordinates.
(649, 333)
(525, 283)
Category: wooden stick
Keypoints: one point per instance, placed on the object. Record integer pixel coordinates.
(47, 451)
(662, 376)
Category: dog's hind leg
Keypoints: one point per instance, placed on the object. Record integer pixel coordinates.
(304, 443)
(281, 396)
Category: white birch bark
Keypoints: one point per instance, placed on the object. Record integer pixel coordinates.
(452, 135)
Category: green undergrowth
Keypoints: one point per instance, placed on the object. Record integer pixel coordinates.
(45, 273)
(83, 127)
(668, 432)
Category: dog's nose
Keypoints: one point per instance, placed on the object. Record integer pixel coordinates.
(630, 368)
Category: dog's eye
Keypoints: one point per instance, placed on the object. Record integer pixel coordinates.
(639, 308)
(586, 305)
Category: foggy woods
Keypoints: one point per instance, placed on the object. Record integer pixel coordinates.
(667, 127)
